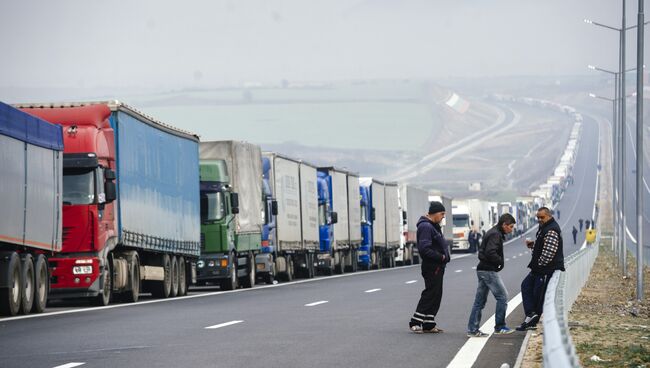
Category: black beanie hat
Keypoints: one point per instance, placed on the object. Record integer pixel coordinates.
(435, 207)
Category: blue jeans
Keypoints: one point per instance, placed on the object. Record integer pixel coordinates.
(489, 281)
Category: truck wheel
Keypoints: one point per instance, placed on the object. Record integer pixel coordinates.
(182, 277)
(104, 296)
(311, 269)
(231, 282)
(408, 257)
(269, 277)
(173, 291)
(27, 281)
(354, 257)
(161, 289)
(337, 263)
(133, 295)
(10, 297)
(41, 284)
(249, 280)
(374, 261)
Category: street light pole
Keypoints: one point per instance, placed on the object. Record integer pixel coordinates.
(639, 154)
(623, 124)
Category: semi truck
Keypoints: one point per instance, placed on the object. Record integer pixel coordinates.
(373, 223)
(414, 203)
(130, 203)
(394, 223)
(270, 212)
(232, 207)
(31, 167)
(340, 238)
(461, 225)
(295, 237)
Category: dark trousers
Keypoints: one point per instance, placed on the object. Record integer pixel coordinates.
(533, 289)
(429, 303)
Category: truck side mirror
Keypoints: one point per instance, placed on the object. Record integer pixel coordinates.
(274, 208)
(234, 202)
(110, 189)
(335, 218)
(404, 222)
(372, 215)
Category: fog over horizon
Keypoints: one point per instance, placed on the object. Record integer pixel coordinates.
(164, 45)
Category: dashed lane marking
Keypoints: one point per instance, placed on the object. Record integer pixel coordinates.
(316, 303)
(411, 282)
(372, 290)
(69, 365)
(223, 325)
(458, 271)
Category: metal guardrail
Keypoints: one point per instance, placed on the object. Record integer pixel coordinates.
(563, 289)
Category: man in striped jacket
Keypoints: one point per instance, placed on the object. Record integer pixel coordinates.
(547, 257)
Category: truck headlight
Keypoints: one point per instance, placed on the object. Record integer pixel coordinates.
(82, 270)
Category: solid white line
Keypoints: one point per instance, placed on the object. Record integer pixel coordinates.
(411, 282)
(223, 325)
(467, 354)
(372, 290)
(69, 365)
(316, 303)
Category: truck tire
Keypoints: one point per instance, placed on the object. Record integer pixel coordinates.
(231, 283)
(10, 298)
(173, 291)
(339, 266)
(311, 269)
(161, 289)
(104, 296)
(354, 260)
(41, 284)
(182, 277)
(249, 281)
(27, 281)
(408, 255)
(269, 278)
(133, 295)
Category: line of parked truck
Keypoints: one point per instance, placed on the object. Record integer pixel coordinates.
(100, 201)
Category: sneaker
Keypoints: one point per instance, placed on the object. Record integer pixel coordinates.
(416, 329)
(503, 331)
(533, 320)
(477, 333)
(522, 327)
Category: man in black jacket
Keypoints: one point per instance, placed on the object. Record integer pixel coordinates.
(547, 257)
(434, 253)
(490, 255)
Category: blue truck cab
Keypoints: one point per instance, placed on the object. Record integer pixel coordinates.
(326, 220)
(367, 216)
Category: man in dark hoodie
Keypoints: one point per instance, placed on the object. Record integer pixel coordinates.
(491, 261)
(434, 253)
(548, 256)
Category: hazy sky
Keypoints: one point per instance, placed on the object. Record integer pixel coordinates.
(179, 44)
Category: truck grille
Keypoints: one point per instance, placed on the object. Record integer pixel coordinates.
(66, 233)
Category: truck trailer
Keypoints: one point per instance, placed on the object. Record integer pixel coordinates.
(130, 203)
(414, 203)
(31, 167)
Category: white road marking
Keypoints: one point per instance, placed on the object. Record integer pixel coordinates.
(473, 267)
(458, 271)
(316, 303)
(507, 259)
(223, 325)
(514, 257)
(69, 365)
(521, 254)
(467, 355)
(411, 282)
(372, 290)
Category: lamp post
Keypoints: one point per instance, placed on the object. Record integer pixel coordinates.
(639, 153)
(621, 199)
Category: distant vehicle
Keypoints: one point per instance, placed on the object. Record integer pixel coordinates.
(130, 203)
(461, 225)
(295, 238)
(31, 167)
(414, 203)
(232, 209)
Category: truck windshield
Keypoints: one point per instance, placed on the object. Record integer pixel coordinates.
(213, 207)
(78, 186)
(461, 221)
